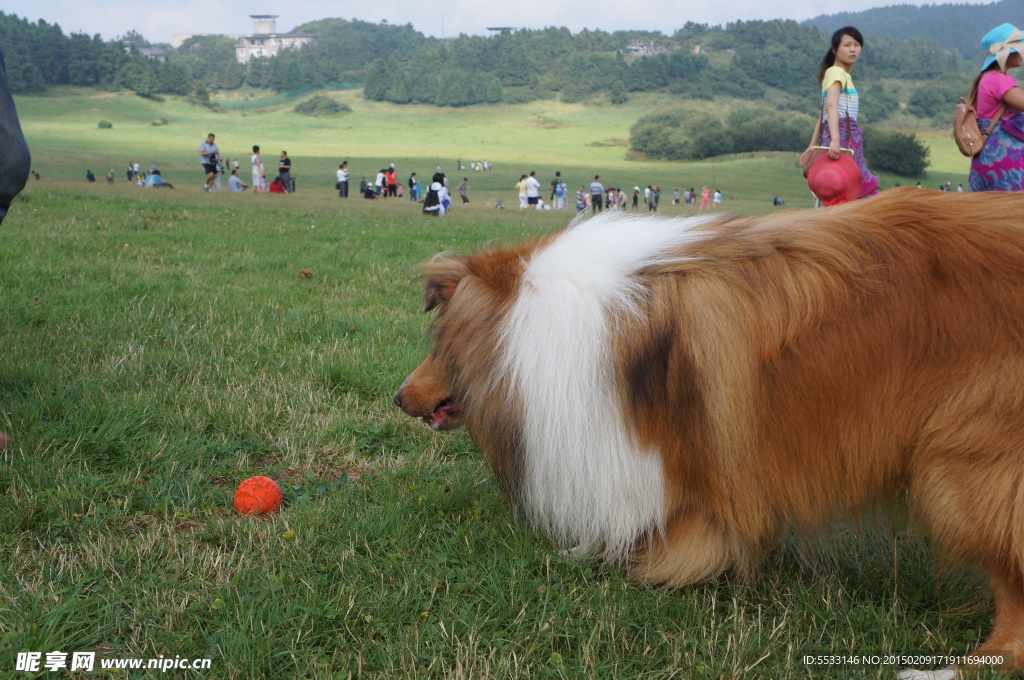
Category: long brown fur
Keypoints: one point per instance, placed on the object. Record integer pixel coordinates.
(792, 367)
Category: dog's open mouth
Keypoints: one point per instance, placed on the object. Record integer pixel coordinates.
(444, 416)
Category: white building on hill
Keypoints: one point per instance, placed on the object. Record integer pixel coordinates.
(265, 41)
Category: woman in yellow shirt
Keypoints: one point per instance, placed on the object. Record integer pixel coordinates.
(521, 188)
(837, 125)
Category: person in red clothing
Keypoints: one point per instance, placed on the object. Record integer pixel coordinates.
(705, 199)
(391, 179)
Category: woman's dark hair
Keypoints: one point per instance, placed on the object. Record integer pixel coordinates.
(830, 56)
(438, 177)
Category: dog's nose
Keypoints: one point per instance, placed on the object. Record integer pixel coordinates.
(399, 400)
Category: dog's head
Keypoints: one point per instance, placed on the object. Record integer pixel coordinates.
(427, 393)
(470, 295)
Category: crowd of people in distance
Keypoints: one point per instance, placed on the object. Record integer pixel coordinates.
(214, 166)
(597, 198)
(134, 174)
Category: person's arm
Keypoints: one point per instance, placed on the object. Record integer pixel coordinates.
(832, 116)
(15, 157)
(1014, 97)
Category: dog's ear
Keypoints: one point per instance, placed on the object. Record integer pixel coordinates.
(443, 273)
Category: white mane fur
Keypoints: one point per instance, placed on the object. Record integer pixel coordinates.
(586, 481)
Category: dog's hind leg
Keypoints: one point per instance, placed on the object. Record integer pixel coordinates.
(692, 549)
(1004, 648)
(1007, 637)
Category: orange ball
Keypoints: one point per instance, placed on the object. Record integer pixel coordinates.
(258, 496)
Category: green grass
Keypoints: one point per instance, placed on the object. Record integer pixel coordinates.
(157, 347)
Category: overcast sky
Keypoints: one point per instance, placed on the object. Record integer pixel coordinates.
(160, 20)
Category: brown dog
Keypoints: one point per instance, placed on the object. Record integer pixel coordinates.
(674, 393)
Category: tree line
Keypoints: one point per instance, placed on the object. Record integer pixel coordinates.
(399, 64)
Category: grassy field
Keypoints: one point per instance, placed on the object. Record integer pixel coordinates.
(157, 347)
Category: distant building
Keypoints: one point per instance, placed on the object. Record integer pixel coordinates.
(145, 49)
(265, 41)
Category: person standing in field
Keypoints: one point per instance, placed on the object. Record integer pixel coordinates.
(558, 192)
(259, 181)
(343, 180)
(705, 199)
(414, 188)
(463, 188)
(532, 191)
(837, 126)
(391, 177)
(596, 194)
(1000, 165)
(581, 200)
(208, 153)
(521, 188)
(15, 161)
(284, 171)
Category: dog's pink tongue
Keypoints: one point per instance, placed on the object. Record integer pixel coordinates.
(440, 416)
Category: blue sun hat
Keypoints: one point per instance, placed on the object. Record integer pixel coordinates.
(999, 43)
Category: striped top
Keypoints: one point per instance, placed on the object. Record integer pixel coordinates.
(849, 101)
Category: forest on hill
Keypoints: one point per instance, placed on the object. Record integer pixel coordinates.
(957, 26)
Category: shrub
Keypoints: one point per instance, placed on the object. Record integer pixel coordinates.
(321, 106)
(675, 135)
(105, 125)
(160, 121)
(617, 93)
(895, 152)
